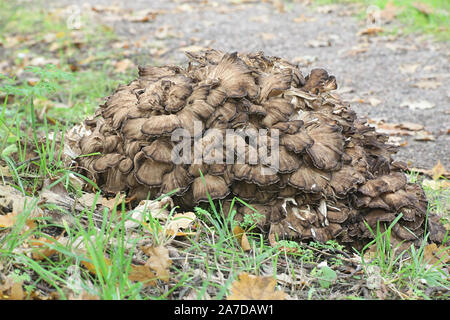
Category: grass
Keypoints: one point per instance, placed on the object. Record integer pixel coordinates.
(411, 19)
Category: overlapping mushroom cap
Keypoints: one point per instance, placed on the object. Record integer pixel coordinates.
(335, 174)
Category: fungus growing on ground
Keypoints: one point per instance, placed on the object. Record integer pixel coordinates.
(196, 130)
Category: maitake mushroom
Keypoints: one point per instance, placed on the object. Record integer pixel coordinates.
(335, 173)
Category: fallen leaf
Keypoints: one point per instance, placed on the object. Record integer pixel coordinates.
(157, 209)
(159, 261)
(113, 202)
(88, 199)
(250, 287)
(12, 289)
(240, 235)
(370, 31)
(8, 220)
(40, 250)
(433, 254)
(411, 126)
(180, 221)
(423, 135)
(438, 170)
(142, 273)
(91, 267)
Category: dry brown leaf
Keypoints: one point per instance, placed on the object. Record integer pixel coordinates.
(180, 221)
(91, 267)
(438, 170)
(40, 249)
(250, 287)
(370, 31)
(157, 209)
(142, 273)
(88, 199)
(12, 289)
(159, 261)
(8, 220)
(436, 254)
(113, 202)
(240, 235)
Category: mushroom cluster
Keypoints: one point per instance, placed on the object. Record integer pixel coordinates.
(333, 175)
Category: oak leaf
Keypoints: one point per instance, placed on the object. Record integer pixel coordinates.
(142, 273)
(250, 287)
(159, 261)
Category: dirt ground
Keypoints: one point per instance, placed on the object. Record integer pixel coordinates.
(398, 78)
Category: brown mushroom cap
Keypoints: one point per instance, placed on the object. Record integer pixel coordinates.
(335, 173)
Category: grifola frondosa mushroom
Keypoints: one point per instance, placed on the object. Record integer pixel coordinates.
(214, 128)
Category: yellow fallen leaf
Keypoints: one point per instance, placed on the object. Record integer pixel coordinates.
(250, 287)
(91, 267)
(240, 235)
(40, 249)
(8, 220)
(370, 31)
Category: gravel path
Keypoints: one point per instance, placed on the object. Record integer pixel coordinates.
(377, 69)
